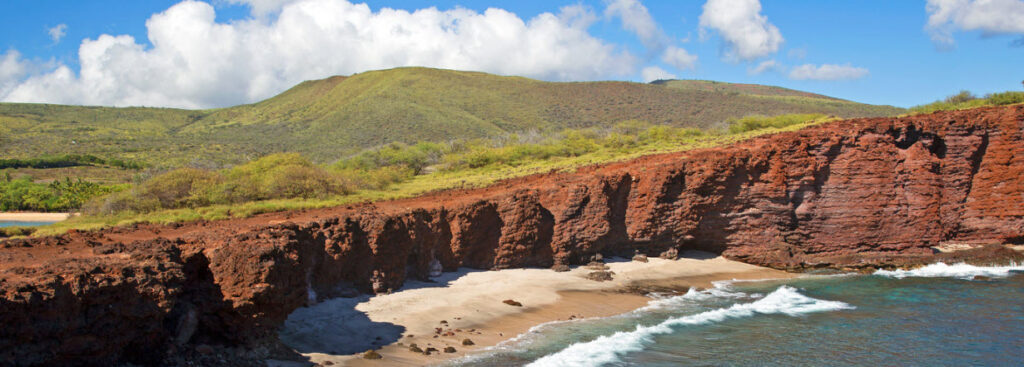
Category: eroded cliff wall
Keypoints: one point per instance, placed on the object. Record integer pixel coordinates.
(856, 193)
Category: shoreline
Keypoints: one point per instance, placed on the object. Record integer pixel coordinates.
(33, 217)
(471, 305)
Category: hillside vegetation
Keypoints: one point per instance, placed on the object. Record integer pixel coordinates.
(330, 119)
(966, 99)
(289, 181)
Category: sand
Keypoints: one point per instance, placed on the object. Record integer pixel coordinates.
(33, 217)
(470, 303)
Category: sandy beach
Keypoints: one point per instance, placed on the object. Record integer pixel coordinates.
(33, 217)
(469, 305)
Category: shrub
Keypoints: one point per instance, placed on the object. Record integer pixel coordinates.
(965, 100)
(59, 195)
(276, 176)
(962, 97)
(1006, 98)
(294, 181)
(751, 123)
(67, 160)
(183, 187)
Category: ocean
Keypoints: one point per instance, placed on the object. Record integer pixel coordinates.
(23, 224)
(939, 315)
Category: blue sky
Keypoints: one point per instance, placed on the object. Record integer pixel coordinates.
(882, 52)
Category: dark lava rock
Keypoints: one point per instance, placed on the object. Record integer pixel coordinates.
(600, 276)
(512, 303)
(467, 342)
(204, 349)
(371, 354)
(449, 349)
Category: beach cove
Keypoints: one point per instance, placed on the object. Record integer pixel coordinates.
(469, 305)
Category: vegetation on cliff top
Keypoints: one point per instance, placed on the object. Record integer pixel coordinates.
(966, 99)
(289, 181)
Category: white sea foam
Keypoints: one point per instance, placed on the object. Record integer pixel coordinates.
(961, 270)
(607, 349)
(691, 296)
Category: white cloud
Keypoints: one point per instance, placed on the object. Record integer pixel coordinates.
(827, 72)
(679, 58)
(652, 73)
(747, 33)
(763, 67)
(12, 70)
(58, 32)
(262, 7)
(988, 16)
(636, 19)
(195, 62)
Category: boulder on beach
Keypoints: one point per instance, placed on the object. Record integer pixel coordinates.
(467, 342)
(600, 276)
(640, 258)
(371, 354)
(512, 303)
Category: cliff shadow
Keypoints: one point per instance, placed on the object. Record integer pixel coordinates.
(336, 327)
(440, 281)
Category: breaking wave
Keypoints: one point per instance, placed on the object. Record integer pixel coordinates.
(961, 270)
(607, 349)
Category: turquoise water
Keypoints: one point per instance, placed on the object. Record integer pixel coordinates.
(23, 224)
(936, 316)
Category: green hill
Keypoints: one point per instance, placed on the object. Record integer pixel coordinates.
(334, 117)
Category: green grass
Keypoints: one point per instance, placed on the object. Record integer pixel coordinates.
(326, 120)
(452, 170)
(965, 100)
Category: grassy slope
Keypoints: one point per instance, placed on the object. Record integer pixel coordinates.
(440, 180)
(330, 118)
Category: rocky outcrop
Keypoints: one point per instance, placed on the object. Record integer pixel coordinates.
(848, 194)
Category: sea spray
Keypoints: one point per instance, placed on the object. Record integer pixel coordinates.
(608, 349)
(961, 270)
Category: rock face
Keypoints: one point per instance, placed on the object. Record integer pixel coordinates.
(856, 193)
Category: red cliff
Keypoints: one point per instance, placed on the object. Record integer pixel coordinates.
(848, 194)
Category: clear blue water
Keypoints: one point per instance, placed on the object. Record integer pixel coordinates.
(23, 224)
(937, 316)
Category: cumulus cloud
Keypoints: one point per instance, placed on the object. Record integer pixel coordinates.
(262, 7)
(636, 19)
(652, 73)
(988, 16)
(679, 58)
(827, 72)
(58, 32)
(763, 67)
(12, 70)
(746, 32)
(196, 62)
